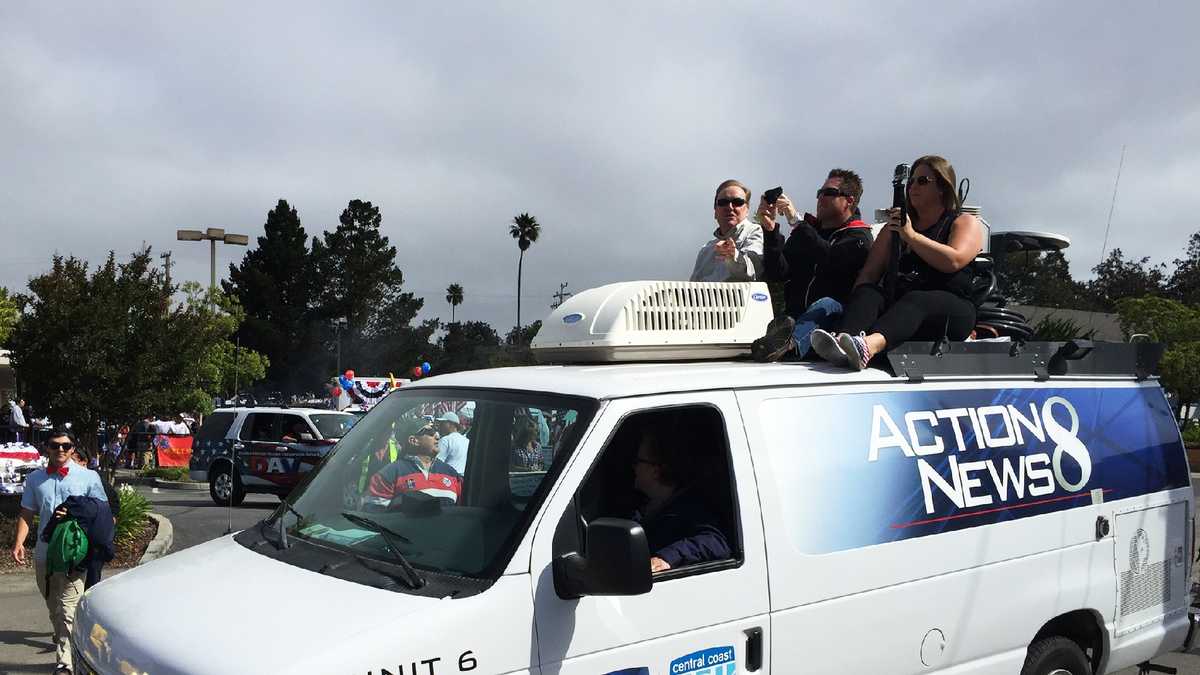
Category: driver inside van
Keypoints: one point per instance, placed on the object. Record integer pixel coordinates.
(679, 526)
(416, 470)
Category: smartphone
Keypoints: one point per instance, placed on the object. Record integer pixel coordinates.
(773, 194)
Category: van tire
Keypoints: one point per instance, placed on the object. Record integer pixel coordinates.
(221, 483)
(1056, 656)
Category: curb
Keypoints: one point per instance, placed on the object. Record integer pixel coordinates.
(179, 485)
(161, 543)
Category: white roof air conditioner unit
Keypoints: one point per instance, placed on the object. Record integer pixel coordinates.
(656, 321)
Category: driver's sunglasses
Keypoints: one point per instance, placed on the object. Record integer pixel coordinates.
(735, 202)
(640, 460)
(63, 446)
(830, 192)
(426, 431)
(920, 180)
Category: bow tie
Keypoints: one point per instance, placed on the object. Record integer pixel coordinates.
(62, 470)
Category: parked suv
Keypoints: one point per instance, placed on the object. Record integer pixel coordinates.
(272, 448)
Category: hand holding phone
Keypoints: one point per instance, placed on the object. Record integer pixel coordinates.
(771, 195)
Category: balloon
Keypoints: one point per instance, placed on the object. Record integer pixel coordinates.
(425, 368)
(335, 392)
(417, 371)
(349, 374)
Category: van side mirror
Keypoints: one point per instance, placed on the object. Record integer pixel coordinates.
(617, 562)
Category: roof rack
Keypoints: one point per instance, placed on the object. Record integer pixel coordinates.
(1042, 360)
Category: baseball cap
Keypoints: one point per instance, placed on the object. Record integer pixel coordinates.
(410, 428)
(448, 417)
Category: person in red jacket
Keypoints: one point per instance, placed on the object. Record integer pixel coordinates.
(416, 470)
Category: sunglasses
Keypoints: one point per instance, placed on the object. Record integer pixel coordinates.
(639, 460)
(830, 192)
(426, 431)
(735, 202)
(64, 446)
(920, 180)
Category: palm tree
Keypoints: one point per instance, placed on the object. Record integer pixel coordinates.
(525, 230)
(454, 296)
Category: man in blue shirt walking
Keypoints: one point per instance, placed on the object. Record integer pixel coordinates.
(45, 491)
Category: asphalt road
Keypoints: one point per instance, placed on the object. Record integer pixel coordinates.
(25, 629)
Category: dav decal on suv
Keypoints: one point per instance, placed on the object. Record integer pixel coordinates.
(711, 661)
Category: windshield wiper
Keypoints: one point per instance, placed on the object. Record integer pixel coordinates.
(390, 536)
(278, 517)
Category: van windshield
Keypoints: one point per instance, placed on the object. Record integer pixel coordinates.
(447, 479)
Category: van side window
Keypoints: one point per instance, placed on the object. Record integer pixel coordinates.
(669, 470)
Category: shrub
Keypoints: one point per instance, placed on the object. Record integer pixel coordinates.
(1191, 434)
(1054, 329)
(132, 517)
(176, 473)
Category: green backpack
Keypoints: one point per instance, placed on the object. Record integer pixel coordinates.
(68, 547)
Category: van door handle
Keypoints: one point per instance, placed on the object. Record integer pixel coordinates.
(754, 649)
(239, 446)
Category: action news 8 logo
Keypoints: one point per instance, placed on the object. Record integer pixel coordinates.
(972, 476)
(711, 661)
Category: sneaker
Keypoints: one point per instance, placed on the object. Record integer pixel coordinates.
(825, 344)
(778, 341)
(857, 353)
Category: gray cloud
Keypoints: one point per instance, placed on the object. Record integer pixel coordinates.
(612, 125)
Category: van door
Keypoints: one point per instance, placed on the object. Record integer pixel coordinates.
(706, 618)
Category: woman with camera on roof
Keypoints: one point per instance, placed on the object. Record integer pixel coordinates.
(933, 278)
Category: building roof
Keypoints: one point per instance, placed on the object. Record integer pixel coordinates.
(1107, 326)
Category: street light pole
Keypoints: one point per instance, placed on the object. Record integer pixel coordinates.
(212, 235)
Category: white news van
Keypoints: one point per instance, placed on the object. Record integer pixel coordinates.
(991, 508)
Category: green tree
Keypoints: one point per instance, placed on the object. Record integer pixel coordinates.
(1177, 325)
(276, 286)
(360, 282)
(1042, 279)
(454, 296)
(1184, 284)
(109, 345)
(9, 314)
(239, 367)
(467, 346)
(525, 229)
(1118, 279)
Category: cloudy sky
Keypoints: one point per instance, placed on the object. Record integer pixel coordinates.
(611, 124)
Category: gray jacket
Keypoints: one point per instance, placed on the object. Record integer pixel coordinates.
(746, 264)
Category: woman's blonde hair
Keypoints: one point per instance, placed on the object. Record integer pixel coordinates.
(947, 181)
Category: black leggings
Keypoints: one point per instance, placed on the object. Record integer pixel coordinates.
(919, 315)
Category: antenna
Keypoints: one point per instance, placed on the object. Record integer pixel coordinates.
(1108, 226)
(1112, 207)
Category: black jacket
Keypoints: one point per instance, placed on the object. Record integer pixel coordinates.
(94, 516)
(685, 532)
(816, 263)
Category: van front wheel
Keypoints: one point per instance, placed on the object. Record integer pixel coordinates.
(1056, 656)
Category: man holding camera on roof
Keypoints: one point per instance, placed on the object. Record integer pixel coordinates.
(818, 262)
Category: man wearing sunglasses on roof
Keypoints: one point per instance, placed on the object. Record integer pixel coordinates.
(45, 491)
(735, 252)
(416, 470)
(818, 263)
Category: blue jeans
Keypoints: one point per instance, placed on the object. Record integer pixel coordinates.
(822, 314)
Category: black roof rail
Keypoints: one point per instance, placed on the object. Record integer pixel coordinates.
(1042, 360)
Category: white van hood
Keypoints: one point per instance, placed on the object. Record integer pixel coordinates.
(222, 608)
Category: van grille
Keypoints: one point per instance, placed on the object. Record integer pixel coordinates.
(685, 306)
(1150, 588)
